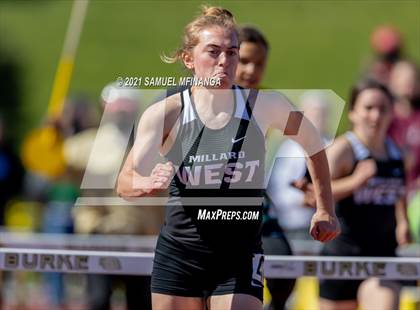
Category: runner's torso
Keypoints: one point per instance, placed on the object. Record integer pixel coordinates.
(367, 216)
(208, 180)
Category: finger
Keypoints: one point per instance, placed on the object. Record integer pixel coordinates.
(330, 237)
(299, 184)
(158, 185)
(314, 232)
(305, 184)
(163, 173)
(164, 166)
(158, 179)
(156, 169)
(167, 168)
(159, 165)
(312, 202)
(162, 179)
(169, 164)
(326, 232)
(322, 235)
(148, 187)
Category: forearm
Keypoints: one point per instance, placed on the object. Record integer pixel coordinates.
(320, 174)
(344, 187)
(401, 212)
(132, 184)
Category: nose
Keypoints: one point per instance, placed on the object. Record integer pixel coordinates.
(250, 68)
(223, 59)
(375, 114)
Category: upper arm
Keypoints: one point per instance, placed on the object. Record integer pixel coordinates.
(276, 111)
(154, 127)
(271, 110)
(340, 158)
(149, 135)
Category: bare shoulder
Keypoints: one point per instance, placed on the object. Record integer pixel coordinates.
(272, 109)
(173, 103)
(165, 107)
(272, 99)
(163, 112)
(340, 157)
(341, 146)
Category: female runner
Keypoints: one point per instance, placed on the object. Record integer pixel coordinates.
(212, 136)
(368, 185)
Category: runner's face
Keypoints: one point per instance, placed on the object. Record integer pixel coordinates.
(216, 55)
(404, 82)
(372, 113)
(251, 67)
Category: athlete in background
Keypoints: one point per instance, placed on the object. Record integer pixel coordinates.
(368, 185)
(253, 55)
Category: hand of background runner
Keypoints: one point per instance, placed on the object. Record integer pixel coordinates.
(364, 170)
(324, 226)
(403, 234)
(307, 188)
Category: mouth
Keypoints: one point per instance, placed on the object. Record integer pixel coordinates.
(247, 78)
(249, 81)
(221, 74)
(374, 127)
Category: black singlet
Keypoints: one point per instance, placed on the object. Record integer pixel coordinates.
(367, 217)
(201, 156)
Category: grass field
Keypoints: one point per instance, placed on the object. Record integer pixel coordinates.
(314, 44)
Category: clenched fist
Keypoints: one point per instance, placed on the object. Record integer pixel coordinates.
(324, 226)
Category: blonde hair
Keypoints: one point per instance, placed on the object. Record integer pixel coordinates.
(210, 16)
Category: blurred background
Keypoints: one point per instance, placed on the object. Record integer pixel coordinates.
(314, 45)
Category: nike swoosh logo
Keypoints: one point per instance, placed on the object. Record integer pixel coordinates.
(237, 140)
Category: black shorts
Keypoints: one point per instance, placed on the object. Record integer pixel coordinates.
(339, 290)
(180, 271)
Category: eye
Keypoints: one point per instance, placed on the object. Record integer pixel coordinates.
(231, 53)
(213, 52)
(384, 109)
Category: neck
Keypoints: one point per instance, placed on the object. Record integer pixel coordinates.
(216, 100)
(402, 107)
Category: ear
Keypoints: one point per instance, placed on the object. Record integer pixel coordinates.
(188, 60)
